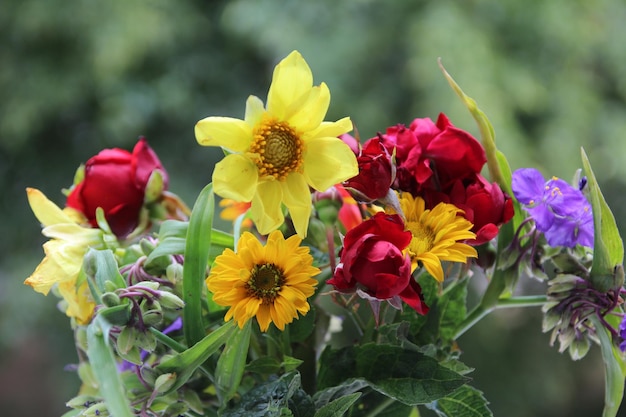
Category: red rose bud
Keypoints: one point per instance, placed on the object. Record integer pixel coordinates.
(376, 172)
(116, 180)
(372, 261)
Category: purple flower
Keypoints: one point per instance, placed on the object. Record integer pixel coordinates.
(560, 211)
(622, 334)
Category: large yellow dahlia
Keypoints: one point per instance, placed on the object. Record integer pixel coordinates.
(271, 282)
(279, 150)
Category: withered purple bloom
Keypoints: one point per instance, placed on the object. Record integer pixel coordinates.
(560, 211)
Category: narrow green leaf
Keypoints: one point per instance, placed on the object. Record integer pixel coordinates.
(614, 370)
(608, 248)
(167, 246)
(338, 407)
(466, 401)
(185, 363)
(104, 367)
(194, 270)
(486, 132)
(232, 362)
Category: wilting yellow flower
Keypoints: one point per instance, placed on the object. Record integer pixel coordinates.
(436, 234)
(64, 254)
(279, 150)
(271, 282)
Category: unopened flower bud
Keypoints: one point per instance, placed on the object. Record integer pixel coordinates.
(96, 410)
(82, 401)
(174, 273)
(169, 300)
(110, 299)
(164, 382)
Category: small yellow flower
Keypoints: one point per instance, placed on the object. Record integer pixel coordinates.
(271, 282)
(436, 234)
(279, 150)
(64, 254)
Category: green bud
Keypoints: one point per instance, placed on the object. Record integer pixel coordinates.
(109, 286)
(154, 188)
(96, 410)
(146, 246)
(566, 337)
(117, 315)
(175, 409)
(579, 348)
(550, 320)
(152, 317)
(145, 340)
(147, 284)
(132, 356)
(82, 401)
(164, 382)
(148, 374)
(169, 300)
(126, 340)
(174, 273)
(110, 299)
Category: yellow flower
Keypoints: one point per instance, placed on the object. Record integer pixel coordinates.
(271, 282)
(64, 254)
(233, 209)
(279, 150)
(436, 234)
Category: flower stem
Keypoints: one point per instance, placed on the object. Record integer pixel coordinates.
(481, 311)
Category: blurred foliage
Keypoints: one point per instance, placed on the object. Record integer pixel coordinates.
(81, 76)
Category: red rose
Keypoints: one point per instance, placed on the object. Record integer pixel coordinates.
(376, 172)
(432, 155)
(116, 180)
(372, 261)
(484, 204)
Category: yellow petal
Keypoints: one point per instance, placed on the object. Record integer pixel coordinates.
(235, 177)
(310, 113)
(79, 302)
(328, 161)
(227, 132)
(45, 210)
(297, 198)
(330, 129)
(292, 79)
(254, 110)
(73, 233)
(266, 211)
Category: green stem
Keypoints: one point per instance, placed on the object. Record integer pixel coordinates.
(481, 310)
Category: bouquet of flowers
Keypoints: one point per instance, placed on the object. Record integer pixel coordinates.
(341, 288)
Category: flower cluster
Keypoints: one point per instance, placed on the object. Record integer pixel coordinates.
(302, 305)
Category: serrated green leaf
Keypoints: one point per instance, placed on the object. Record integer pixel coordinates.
(184, 364)
(608, 248)
(232, 362)
(197, 246)
(338, 407)
(466, 401)
(104, 367)
(404, 375)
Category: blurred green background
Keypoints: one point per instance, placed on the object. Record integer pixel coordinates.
(76, 77)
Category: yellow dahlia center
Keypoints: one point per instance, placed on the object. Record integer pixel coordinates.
(278, 148)
(265, 282)
(423, 238)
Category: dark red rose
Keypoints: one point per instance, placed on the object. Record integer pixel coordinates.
(372, 261)
(376, 172)
(484, 204)
(433, 156)
(116, 180)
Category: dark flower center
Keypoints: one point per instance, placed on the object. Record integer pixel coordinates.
(265, 282)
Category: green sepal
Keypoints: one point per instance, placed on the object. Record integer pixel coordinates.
(184, 364)
(197, 246)
(608, 249)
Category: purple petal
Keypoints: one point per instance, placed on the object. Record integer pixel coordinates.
(528, 185)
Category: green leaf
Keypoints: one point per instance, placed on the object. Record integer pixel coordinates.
(338, 407)
(327, 395)
(167, 246)
(184, 364)
(608, 248)
(231, 363)
(445, 314)
(197, 249)
(101, 266)
(404, 375)
(465, 401)
(104, 367)
(614, 370)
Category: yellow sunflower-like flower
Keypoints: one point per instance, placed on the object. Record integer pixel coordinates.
(271, 282)
(436, 234)
(279, 150)
(64, 254)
